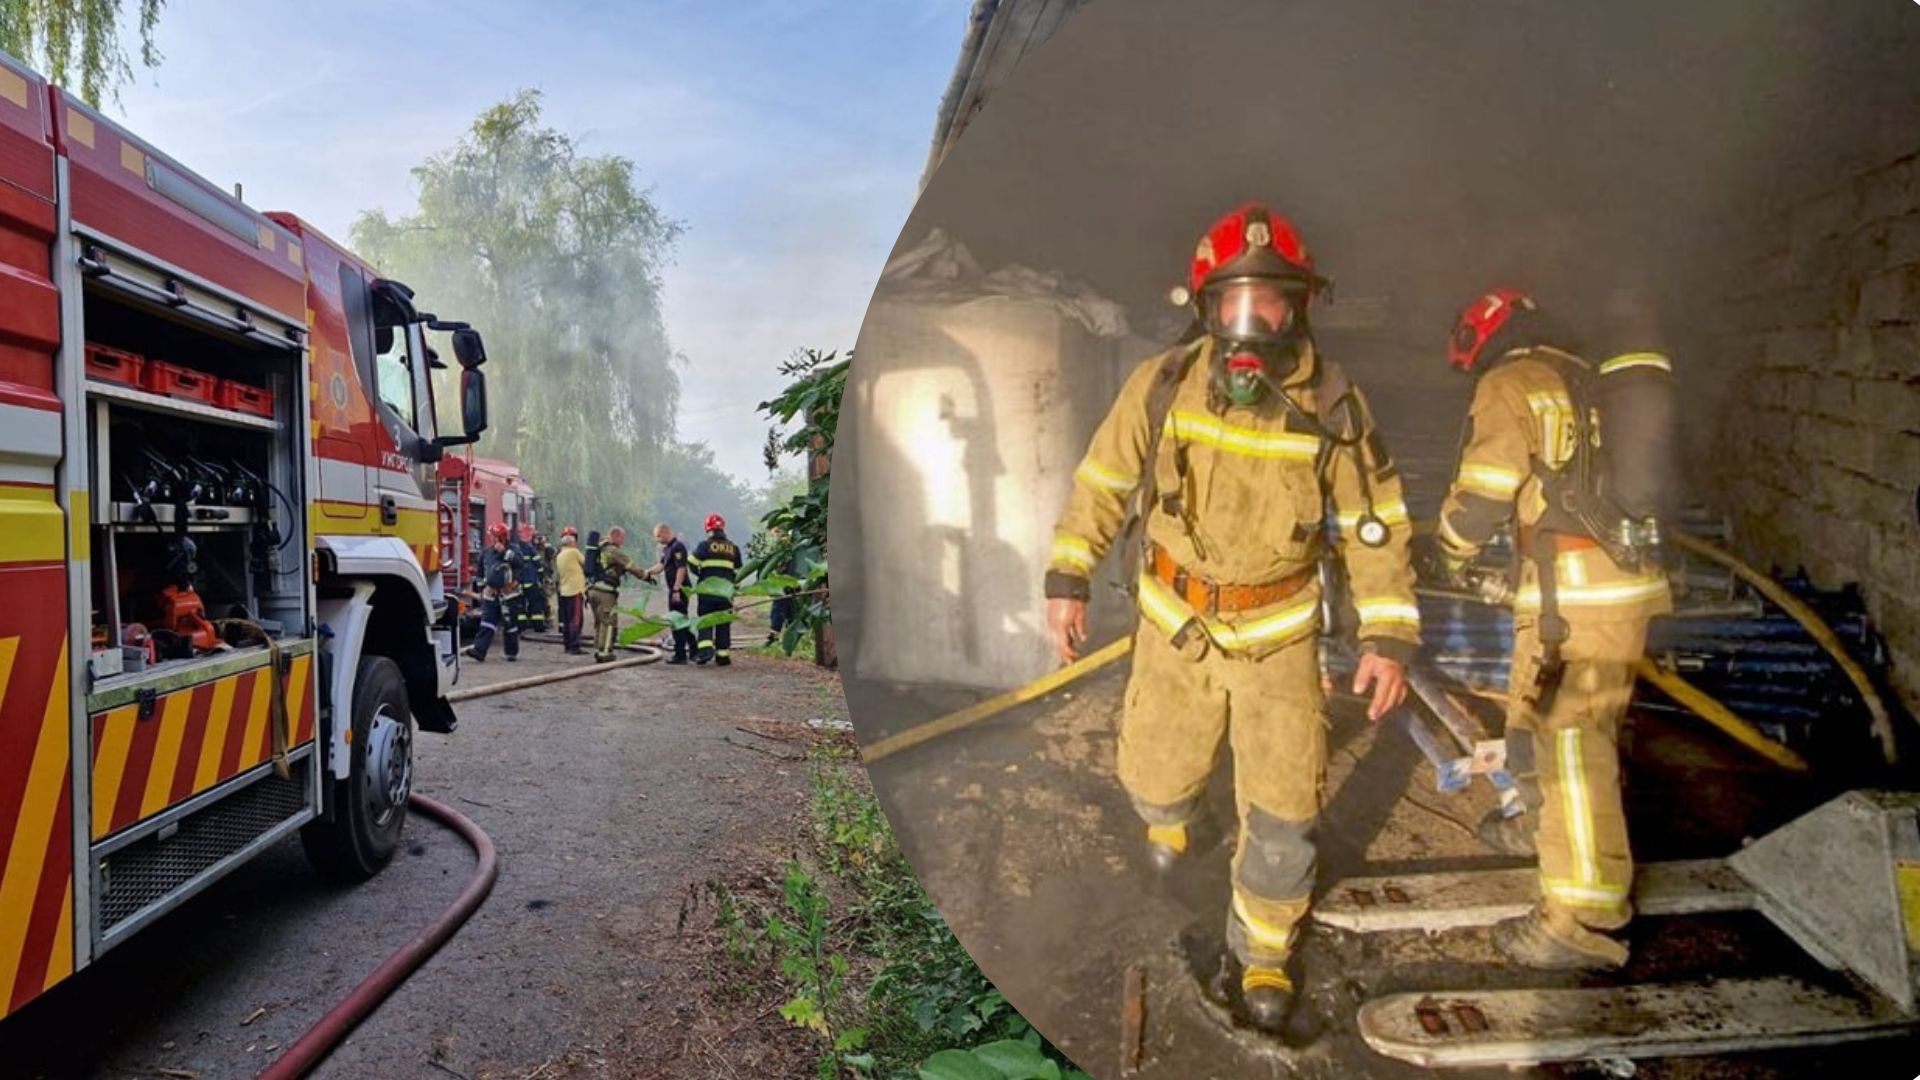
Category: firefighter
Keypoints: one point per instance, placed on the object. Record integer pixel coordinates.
(570, 577)
(1247, 454)
(673, 565)
(716, 558)
(604, 591)
(1580, 623)
(532, 605)
(500, 595)
(549, 580)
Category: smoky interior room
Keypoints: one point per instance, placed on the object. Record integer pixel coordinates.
(1745, 177)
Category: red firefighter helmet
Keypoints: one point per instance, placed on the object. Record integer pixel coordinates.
(1480, 321)
(716, 523)
(1252, 241)
(1251, 275)
(569, 530)
(497, 531)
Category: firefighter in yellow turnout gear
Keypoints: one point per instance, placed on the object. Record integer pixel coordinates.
(603, 592)
(1246, 455)
(1567, 699)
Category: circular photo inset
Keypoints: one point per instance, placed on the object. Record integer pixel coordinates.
(1304, 492)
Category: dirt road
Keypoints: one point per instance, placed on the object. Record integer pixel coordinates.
(610, 798)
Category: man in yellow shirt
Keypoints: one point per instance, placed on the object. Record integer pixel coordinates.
(570, 567)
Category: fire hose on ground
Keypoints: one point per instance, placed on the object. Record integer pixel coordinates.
(326, 1033)
(1686, 694)
(1815, 626)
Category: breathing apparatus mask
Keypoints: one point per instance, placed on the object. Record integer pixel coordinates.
(1258, 325)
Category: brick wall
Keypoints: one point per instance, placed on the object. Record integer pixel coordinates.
(1816, 380)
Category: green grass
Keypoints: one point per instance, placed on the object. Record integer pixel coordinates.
(870, 966)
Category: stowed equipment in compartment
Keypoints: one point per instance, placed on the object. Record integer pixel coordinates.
(204, 682)
(196, 436)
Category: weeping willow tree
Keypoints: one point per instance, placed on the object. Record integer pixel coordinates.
(556, 257)
(63, 38)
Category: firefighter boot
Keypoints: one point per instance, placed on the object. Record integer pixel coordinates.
(1542, 940)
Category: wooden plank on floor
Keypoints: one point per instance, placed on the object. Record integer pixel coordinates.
(1526, 1027)
(1453, 901)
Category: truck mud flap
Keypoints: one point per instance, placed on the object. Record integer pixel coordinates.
(437, 717)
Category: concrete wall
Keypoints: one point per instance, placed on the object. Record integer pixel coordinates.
(1816, 374)
(967, 416)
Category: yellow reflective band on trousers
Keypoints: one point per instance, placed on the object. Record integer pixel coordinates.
(1262, 934)
(1093, 474)
(1169, 613)
(1495, 480)
(1248, 442)
(1579, 806)
(1265, 978)
(1181, 707)
(1074, 552)
(1586, 866)
(1583, 894)
(1632, 360)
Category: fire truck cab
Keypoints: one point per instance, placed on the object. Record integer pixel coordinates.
(221, 609)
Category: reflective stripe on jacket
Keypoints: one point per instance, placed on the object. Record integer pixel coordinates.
(1522, 418)
(1255, 503)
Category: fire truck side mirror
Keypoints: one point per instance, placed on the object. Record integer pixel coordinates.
(469, 349)
(473, 401)
(473, 409)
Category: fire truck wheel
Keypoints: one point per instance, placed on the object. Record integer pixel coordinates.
(370, 805)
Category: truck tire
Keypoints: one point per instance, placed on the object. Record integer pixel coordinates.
(370, 805)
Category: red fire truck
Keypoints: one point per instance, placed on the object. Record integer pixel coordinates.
(221, 616)
(476, 493)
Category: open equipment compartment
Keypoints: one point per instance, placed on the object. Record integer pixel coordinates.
(195, 517)
(188, 473)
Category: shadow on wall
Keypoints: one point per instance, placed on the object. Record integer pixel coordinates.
(972, 398)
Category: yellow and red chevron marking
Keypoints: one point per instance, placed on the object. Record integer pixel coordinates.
(193, 740)
(36, 805)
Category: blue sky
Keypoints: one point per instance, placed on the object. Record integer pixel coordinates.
(788, 138)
